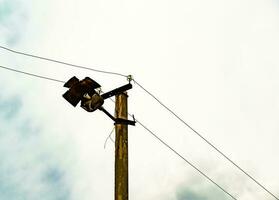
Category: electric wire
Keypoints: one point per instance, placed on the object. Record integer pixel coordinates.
(206, 140)
(60, 62)
(153, 96)
(109, 137)
(31, 74)
(145, 127)
(187, 161)
(180, 156)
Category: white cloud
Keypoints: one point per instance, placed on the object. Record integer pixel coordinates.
(214, 62)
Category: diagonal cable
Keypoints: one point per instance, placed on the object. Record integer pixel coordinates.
(180, 156)
(206, 141)
(31, 74)
(184, 159)
(61, 62)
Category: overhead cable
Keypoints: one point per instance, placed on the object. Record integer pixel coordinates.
(160, 102)
(31, 74)
(187, 161)
(180, 156)
(205, 140)
(145, 127)
(61, 62)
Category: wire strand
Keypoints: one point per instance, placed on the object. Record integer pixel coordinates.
(205, 140)
(179, 155)
(61, 62)
(109, 137)
(187, 161)
(31, 74)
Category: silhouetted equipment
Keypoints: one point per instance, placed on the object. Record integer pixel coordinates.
(79, 88)
(84, 91)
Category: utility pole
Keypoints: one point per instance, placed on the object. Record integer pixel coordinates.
(84, 91)
(121, 148)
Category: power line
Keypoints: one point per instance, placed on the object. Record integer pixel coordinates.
(145, 127)
(179, 155)
(205, 140)
(184, 159)
(153, 96)
(31, 74)
(61, 62)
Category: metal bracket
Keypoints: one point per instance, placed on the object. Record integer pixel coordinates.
(125, 121)
(118, 120)
(117, 91)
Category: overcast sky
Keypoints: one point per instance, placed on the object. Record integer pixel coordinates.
(215, 63)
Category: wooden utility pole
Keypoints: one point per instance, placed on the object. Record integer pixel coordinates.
(121, 148)
(91, 100)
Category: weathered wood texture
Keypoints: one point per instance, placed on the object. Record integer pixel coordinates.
(121, 148)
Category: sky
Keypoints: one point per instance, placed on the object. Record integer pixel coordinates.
(214, 63)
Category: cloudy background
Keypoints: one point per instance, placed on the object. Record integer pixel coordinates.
(215, 63)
